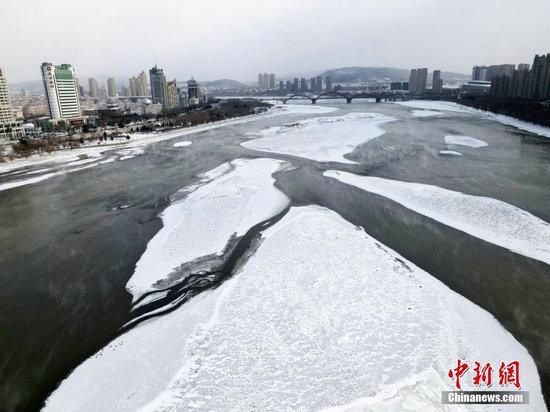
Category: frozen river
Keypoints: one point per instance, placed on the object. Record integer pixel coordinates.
(336, 255)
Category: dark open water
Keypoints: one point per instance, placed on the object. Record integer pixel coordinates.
(67, 251)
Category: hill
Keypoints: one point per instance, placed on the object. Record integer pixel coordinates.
(223, 84)
(363, 74)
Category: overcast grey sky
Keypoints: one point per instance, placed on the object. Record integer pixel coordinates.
(212, 39)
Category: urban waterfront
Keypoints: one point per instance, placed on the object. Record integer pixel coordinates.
(75, 238)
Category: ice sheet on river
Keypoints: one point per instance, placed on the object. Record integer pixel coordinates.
(489, 219)
(240, 196)
(320, 316)
(324, 139)
(465, 141)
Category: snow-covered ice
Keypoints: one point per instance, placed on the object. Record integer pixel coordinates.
(465, 141)
(489, 219)
(324, 139)
(202, 223)
(449, 153)
(183, 143)
(322, 315)
(425, 113)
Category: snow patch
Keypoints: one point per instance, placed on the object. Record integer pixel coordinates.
(465, 141)
(183, 144)
(449, 153)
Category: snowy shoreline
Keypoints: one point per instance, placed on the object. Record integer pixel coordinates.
(434, 105)
(144, 139)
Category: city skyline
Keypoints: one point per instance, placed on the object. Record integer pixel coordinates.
(296, 45)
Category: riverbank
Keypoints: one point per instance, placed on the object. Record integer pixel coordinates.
(142, 139)
(530, 111)
(30, 148)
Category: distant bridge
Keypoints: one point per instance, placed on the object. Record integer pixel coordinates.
(334, 95)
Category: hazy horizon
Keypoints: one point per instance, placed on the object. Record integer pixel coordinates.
(236, 40)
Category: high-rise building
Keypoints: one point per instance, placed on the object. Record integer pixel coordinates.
(328, 83)
(184, 98)
(111, 87)
(261, 81)
(138, 86)
(524, 66)
(538, 86)
(412, 81)
(319, 84)
(295, 85)
(265, 81)
(437, 82)
(172, 95)
(9, 126)
(479, 73)
(533, 83)
(499, 70)
(303, 85)
(281, 85)
(271, 84)
(312, 86)
(421, 80)
(417, 81)
(288, 86)
(132, 86)
(61, 91)
(193, 92)
(142, 88)
(94, 89)
(158, 86)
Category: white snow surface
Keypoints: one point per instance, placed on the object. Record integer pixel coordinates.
(486, 218)
(240, 196)
(183, 143)
(322, 315)
(449, 153)
(465, 141)
(425, 113)
(454, 107)
(324, 139)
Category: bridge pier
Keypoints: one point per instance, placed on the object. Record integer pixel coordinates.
(378, 99)
(313, 101)
(348, 100)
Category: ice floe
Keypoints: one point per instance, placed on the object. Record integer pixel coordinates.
(322, 315)
(183, 144)
(465, 141)
(449, 153)
(324, 139)
(489, 219)
(203, 222)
